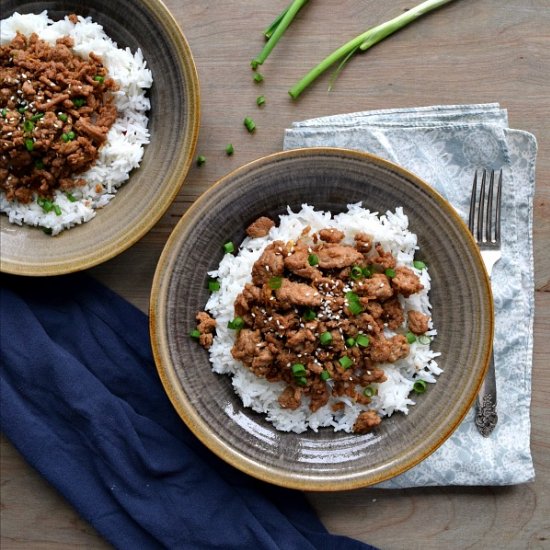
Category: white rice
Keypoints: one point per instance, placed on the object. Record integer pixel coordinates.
(261, 395)
(123, 150)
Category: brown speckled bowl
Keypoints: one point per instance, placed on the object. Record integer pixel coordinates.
(329, 179)
(173, 124)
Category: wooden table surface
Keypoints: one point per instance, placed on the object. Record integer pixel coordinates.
(470, 51)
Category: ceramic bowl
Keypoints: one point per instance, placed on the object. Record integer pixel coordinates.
(328, 179)
(173, 124)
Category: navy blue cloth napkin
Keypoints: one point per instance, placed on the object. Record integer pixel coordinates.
(82, 402)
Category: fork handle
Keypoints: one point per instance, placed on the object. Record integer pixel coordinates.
(486, 414)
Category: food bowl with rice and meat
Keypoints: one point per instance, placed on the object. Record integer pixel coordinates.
(321, 319)
(87, 158)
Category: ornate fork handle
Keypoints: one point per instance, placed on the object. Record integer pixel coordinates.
(486, 414)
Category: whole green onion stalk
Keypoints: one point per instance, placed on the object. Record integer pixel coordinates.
(365, 41)
(280, 26)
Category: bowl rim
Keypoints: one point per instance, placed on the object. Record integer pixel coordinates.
(176, 177)
(187, 412)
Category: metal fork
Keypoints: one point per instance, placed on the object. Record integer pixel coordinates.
(484, 224)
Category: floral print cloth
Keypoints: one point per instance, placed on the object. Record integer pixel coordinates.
(444, 145)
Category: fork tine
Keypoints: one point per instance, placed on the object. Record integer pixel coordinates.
(471, 217)
(489, 210)
(480, 212)
(497, 213)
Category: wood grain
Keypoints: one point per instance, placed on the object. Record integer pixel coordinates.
(470, 51)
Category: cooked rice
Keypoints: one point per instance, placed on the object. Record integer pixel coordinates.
(123, 150)
(261, 395)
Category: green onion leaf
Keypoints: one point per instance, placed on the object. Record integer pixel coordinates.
(310, 315)
(63, 117)
(419, 264)
(46, 204)
(29, 144)
(362, 340)
(71, 197)
(420, 386)
(79, 101)
(4, 112)
(39, 165)
(195, 334)
(370, 391)
(229, 149)
(213, 285)
(201, 159)
(260, 100)
(236, 324)
(99, 78)
(228, 247)
(390, 272)
(22, 109)
(356, 272)
(275, 282)
(270, 30)
(411, 338)
(424, 339)
(312, 259)
(47, 230)
(71, 135)
(325, 338)
(28, 125)
(37, 117)
(301, 381)
(57, 210)
(367, 271)
(298, 370)
(258, 77)
(350, 342)
(355, 308)
(65, 137)
(325, 375)
(345, 362)
(250, 124)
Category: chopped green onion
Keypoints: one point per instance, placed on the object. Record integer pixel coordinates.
(390, 272)
(424, 339)
(301, 381)
(350, 342)
(420, 386)
(28, 126)
(258, 77)
(213, 285)
(70, 197)
(345, 362)
(411, 338)
(22, 109)
(29, 144)
(325, 338)
(79, 101)
(46, 204)
(362, 340)
(37, 117)
(39, 165)
(275, 282)
(312, 259)
(367, 271)
(71, 135)
(57, 210)
(356, 272)
(195, 334)
(355, 308)
(99, 78)
(370, 391)
(47, 230)
(4, 112)
(260, 100)
(325, 375)
(310, 315)
(236, 324)
(298, 370)
(229, 149)
(250, 124)
(63, 117)
(228, 247)
(419, 264)
(201, 159)
(65, 137)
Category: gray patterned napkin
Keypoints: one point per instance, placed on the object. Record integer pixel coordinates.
(444, 145)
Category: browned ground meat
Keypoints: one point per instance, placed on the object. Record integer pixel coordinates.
(291, 303)
(260, 228)
(206, 327)
(56, 110)
(418, 322)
